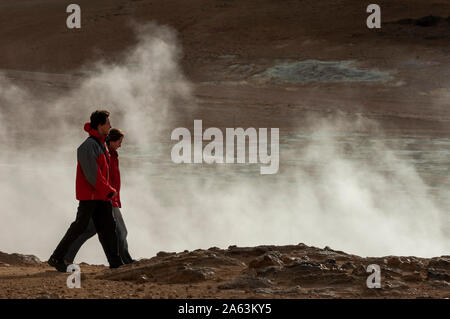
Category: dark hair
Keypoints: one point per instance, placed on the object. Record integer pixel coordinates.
(114, 134)
(98, 118)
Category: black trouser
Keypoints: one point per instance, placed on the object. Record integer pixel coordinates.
(102, 216)
(121, 232)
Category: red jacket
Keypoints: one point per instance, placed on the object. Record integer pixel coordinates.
(92, 182)
(114, 176)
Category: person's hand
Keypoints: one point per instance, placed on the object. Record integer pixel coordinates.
(111, 195)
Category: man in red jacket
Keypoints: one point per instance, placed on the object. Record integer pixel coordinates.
(114, 142)
(94, 191)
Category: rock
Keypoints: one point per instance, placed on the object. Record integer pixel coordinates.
(412, 264)
(268, 259)
(348, 265)
(393, 261)
(287, 260)
(142, 279)
(189, 275)
(404, 263)
(284, 270)
(332, 264)
(305, 258)
(394, 285)
(263, 291)
(165, 254)
(300, 272)
(327, 250)
(387, 276)
(306, 266)
(360, 271)
(331, 261)
(440, 263)
(415, 276)
(440, 284)
(19, 259)
(323, 292)
(247, 281)
(390, 271)
(260, 250)
(439, 274)
(165, 271)
(206, 258)
(339, 278)
(197, 258)
(267, 271)
(247, 251)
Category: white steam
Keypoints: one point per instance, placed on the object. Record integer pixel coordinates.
(328, 198)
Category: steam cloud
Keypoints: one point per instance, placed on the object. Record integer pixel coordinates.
(330, 199)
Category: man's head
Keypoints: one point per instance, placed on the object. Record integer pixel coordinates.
(100, 121)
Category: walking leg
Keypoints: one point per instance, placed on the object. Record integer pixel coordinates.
(76, 229)
(106, 230)
(122, 236)
(76, 245)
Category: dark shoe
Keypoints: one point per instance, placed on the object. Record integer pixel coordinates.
(127, 261)
(60, 265)
(115, 266)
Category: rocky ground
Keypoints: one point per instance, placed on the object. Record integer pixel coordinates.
(293, 271)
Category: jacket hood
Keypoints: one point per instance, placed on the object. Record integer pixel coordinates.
(94, 133)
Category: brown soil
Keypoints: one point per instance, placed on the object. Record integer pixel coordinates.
(295, 271)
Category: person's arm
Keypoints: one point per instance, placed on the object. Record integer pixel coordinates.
(89, 162)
